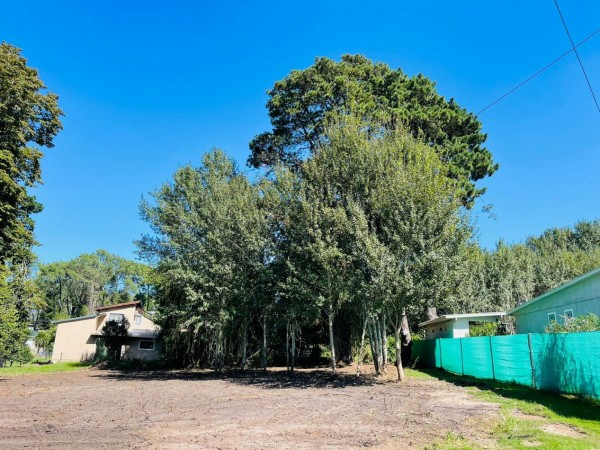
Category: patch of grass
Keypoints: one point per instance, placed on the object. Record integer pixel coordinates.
(527, 415)
(47, 368)
(451, 442)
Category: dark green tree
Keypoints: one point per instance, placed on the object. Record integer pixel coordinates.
(29, 119)
(302, 104)
(115, 335)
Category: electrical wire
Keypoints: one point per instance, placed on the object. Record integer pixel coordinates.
(577, 54)
(547, 66)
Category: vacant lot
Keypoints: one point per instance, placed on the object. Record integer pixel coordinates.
(95, 408)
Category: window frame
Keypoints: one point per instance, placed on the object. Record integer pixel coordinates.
(137, 319)
(552, 314)
(116, 320)
(146, 340)
(567, 311)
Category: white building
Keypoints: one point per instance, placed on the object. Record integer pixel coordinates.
(456, 325)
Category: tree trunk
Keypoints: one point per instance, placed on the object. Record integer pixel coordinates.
(399, 355)
(244, 341)
(331, 340)
(378, 340)
(406, 336)
(264, 346)
(362, 347)
(373, 343)
(384, 355)
(293, 360)
(287, 346)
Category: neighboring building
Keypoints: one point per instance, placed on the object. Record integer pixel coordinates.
(79, 338)
(577, 297)
(456, 325)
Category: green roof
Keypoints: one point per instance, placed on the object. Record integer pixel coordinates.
(555, 290)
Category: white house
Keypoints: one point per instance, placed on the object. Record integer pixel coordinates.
(456, 325)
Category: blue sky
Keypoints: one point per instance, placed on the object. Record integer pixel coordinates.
(149, 86)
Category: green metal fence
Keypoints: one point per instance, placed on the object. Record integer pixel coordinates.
(563, 362)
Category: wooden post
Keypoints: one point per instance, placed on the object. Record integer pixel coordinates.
(492, 359)
(531, 361)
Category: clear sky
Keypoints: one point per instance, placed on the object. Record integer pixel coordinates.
(148, 86)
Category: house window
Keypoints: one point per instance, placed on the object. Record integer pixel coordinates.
(568, 314)
(116, 317)
(138, 319)
(146, 344)
(551, 317)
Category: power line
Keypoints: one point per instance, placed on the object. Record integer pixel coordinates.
(547, 66)
(577, 54)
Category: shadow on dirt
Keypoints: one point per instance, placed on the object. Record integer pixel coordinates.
(268, 380)
(564, 405)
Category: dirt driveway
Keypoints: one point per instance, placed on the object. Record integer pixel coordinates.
(92, 408)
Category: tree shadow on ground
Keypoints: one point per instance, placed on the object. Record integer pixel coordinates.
(564, 405)
(277, 379)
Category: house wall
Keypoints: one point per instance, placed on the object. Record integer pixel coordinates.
(440, 330)
(582, 298)
(73, 341)
(133, 351)
(455, 328)
(129, 312)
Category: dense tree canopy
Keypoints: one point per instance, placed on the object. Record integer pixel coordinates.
(29, 119)
(76, 287)
(301, 105)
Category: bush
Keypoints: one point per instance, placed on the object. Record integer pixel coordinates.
(44, 340)
(587, 322)
(483, 329)
(115, 336)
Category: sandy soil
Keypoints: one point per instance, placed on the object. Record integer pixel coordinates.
(102, 409)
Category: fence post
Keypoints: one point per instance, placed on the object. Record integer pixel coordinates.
(531, 361)
(492, 358)
(462, 359)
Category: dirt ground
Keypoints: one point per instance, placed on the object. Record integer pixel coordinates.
(94, 408)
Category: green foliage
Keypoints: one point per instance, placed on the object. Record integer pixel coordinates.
(305, 102)
(210, 245)
(29, 119)
(586, 322)
(13, 327)
(44, 340)
(115, 335)
(73, 288)
(483, 329)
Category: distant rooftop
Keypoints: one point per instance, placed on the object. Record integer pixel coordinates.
(460, 316)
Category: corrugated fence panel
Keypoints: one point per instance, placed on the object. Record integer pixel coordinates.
(477, 358)
(568, 362)
(512, 362)
(451, 355)
(564, 362)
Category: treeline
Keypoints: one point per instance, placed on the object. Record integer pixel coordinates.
(74, 288)
(349, 248)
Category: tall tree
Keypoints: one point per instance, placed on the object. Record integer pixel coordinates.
(302, 104)
(29, 119)
(209, 249)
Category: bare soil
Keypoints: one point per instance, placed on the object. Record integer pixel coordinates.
(95, 408)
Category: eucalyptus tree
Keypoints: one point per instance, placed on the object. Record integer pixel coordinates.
(208, 245)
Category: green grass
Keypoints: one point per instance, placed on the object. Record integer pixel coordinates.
(25, 369)
(538, 409)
